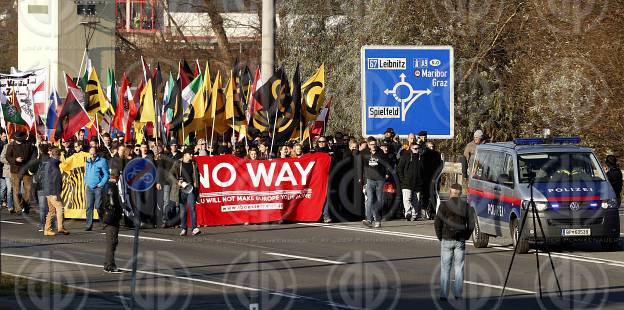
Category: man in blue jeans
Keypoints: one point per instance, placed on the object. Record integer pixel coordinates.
(96, 176)
(187, 175)
(375, 172)
(453, 226)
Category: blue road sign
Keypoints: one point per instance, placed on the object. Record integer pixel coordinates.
(140, 174)
(407, 88)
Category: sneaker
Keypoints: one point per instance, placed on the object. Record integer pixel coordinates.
(40, 229)
(88, 228)
(443, 299)
(376, 224)
(113, 270)
(327, 220)
(63, 232)
(49, 233)
(183, 232)
(196, 231)
(408, 216)
(367, 223)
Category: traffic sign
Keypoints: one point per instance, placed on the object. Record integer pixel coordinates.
(409, 89)
(140, 174)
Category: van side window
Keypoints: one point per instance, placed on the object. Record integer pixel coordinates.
(496, 166)
(478, 168)
(509, 170)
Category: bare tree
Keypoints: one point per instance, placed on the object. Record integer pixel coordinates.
(216, 22)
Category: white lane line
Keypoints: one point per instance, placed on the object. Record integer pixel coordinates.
(11, 222)
(143, 237)
(306, 258)
(510, 289)
(580, 258)
(294, 296)
(138, 271)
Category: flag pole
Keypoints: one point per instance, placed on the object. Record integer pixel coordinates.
(212, 134)
(65, 79)
(274, 126)
(81, 63)
(97, 128)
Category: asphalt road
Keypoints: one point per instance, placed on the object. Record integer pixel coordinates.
(294, 266)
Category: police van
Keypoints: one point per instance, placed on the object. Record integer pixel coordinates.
(572, 195)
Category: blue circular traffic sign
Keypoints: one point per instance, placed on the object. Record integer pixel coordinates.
(140, 174)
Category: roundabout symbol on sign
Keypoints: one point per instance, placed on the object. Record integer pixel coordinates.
(406, 102)
(140, 174)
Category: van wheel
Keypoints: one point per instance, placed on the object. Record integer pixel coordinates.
(479, 239)
(522, 245)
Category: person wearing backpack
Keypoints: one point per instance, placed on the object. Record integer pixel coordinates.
(52, 190)
(453, 226)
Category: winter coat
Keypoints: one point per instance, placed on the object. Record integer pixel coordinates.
(174, 175)
(6, 169)
(453, 221)
(52, 184)
(96, 172)
(24, 150)
(409, 170)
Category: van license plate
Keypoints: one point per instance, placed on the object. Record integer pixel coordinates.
(576, 232)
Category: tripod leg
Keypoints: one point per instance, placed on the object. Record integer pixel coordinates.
(552, 265)
(513, 256)
(539, 277)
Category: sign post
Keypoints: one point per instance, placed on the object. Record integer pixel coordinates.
(139, 175)
(409, 89)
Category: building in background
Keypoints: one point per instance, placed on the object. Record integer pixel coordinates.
(55, 34)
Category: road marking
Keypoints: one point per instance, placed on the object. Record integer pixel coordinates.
(511, 289)
(285, 294)
(11, 222)
(307, 258)
(580, 258)
(143, 237)
(138, 271)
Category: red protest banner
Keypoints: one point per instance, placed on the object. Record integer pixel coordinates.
(236, 191)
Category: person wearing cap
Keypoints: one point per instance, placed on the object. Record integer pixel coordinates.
(469, 152)
(614, 175)
(174, 149)
(388, 139)
(183, 174)
(18, 154)
(453, 226)
(111, 216)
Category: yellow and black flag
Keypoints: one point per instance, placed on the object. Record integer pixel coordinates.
(96, 100)
(313, 95)
(216, 116)
(234, 112)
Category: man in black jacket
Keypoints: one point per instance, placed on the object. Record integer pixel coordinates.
(453, 226)
(409, 171)
(52, 190)
(112, 215)
(375, 173)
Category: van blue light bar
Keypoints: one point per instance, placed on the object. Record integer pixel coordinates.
(555, 140)
(528, 141)
(567, 140)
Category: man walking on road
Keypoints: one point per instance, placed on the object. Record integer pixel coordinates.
(52, 191)
(409, 171)
(453, 225)
(375, 173)
(96, 176)
(18, 154)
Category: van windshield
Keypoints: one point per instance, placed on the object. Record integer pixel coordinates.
(559, 167)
